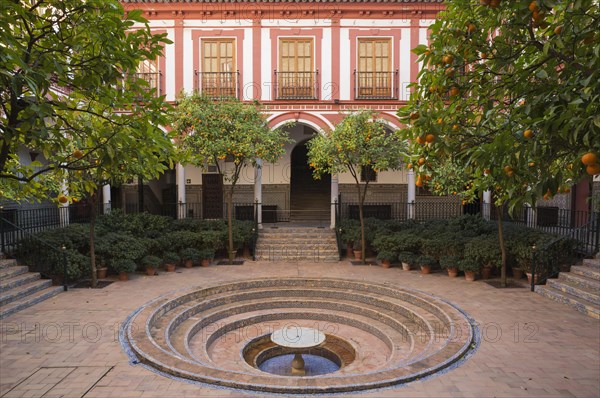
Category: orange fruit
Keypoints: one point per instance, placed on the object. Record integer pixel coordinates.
(494, 3)
(449, 71)
(510, 173)
(420, 140)
(483, 56)
(440, 121)
(429, 138)
(589, 159)
(558, 30)
(471, 28)
(419, 181)
(455, 127)
(78, 153)
(528, 134)
(409, 166)
(533, 6)
(448, 59)
(531, 164)
(62, 198)
(421, 161)
(454, 91)
(567, 190)
(484, 2)
(487, 171)
(593, 169)
(414, 115)
(508, 168)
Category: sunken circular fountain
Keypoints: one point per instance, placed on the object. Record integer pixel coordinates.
(369, 335)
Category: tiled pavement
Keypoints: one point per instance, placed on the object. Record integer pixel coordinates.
(67, 345)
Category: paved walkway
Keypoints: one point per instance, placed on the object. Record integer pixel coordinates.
(68, 346)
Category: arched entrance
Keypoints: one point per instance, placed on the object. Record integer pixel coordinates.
(310, 199)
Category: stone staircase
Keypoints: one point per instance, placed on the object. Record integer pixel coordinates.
(20, 288)
(579, 289)
(297, 243)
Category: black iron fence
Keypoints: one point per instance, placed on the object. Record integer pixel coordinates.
(296, 85)
(376, 85)
(218, 85)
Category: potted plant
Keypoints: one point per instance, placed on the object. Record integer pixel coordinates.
(357, 247)
(206, 256)
(450, 263)
(386, 258)
(470, 267)
(151, 263)
(485, 251)
(102, 270)
(190, 256)
(407, 259)
(426, 262)
(170, 260)
(123, 266)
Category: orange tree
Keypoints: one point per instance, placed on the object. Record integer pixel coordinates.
(62, 74)
(357, 143)
(508, 101)
(227, 134)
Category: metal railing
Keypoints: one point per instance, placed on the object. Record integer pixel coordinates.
(38, 263)
(579, 242)
(338, 235)
(296, 85)
(375, 85)
(218, 85)
(153, 79)
(255, 231)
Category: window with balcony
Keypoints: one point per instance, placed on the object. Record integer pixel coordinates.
(218, 77)
(148, 70)
(296, 77)
(374, 78)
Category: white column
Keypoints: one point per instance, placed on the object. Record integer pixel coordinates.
(335, 190)
(106, 198)
(412, 194)
(180, 177)
(258, 191)
(487, 204)
(63, 211)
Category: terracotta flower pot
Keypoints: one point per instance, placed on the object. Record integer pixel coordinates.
(150, 271)
(349, 251)
(425, 269)
(405, 266)
(170, 267)
(536, 279)
(189, 263)
(123, 276)
(470, 276)
(205, 262)
(358, 254)
(386, 263)
(452, 272)
(101, 272)
(517, 273)
(486, 272)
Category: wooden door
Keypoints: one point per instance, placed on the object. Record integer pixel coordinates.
(212, 196)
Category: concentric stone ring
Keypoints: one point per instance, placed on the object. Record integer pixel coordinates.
(379, 335)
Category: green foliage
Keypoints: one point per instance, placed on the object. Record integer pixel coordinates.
(82, 137)
(170, 257)
(484, 250)
(468, 264)
(190, 254)
(151, 261)
(387, 255)
(207, 253)
(123, 265)
(407, 242)
(350, 230)
(527, 104)
(425, 260)
(407, 257)
(449, 261)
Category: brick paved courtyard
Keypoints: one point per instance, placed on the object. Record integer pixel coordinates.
(68, 345)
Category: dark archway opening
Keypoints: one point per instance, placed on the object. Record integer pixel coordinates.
(309, 198)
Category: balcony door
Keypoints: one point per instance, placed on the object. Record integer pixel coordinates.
(149, 71)
(218, 77)
(374, 75)
(296, 74)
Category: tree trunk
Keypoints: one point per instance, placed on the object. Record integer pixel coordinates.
(499, 214)
(361, 200)
(230, 253)
(93, 200)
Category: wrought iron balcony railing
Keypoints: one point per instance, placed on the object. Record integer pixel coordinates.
(376, 85)
(296, 85)
(218, 85)
(154, 80)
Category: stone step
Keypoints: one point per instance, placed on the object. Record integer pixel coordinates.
(12, 271)
(18, 280)
(591, 295)
(579, 280)
(24, 290)
(5, 263)
(592, 262)
(577, 303)
(28, 301)
(586, 271)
